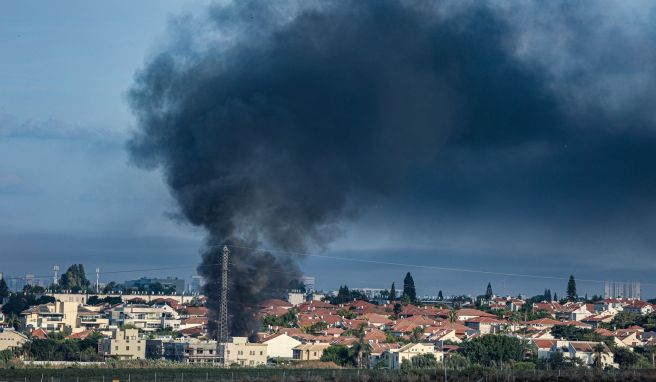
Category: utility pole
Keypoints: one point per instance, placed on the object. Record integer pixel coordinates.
(97, 280)
(222, 322)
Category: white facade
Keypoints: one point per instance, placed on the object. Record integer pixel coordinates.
(280, 346)
(396, 356)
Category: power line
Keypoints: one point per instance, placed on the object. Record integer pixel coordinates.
(451, 269)
(351, 259)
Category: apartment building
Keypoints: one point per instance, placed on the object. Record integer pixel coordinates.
(55, 316)
(240, 351)
(145, 317)
(123, 344)
(88, 319)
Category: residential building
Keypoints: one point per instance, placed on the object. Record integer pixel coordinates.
(309, 282)
(123, 344)
(639, 307)
(54, 316)
(88, 319)
(310, 351)
(240, 351)
(280, 345)
(586, 351)
(145, 317)
(296, 297)
(397, 356)
(11, 339)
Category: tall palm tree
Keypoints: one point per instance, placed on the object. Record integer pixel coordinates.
(598, 353)
(452, 316)
(361, 347)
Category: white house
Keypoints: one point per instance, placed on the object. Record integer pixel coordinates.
(395, 357)
(280, 345)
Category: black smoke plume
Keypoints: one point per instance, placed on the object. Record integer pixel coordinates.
(273, 122)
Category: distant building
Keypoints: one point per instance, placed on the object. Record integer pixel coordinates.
(309, 282)
(296, 297)
(371, 293)
(196, 284)
(617, 289)
(123, 344)
(167, 283)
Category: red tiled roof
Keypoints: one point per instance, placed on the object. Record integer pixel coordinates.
(192, 332)
(474, 312)
(40, 334)
(81, 335)
(195, 321)
(274, 302)
(375, 318)
(200, 311)
(375, 335)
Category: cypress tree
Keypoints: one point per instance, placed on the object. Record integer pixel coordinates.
(571, 288)
(439, 296)
(4, 290)
(392, 295)
(409, 291)
(488, 292)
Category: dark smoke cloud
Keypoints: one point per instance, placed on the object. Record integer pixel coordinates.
(284, 120)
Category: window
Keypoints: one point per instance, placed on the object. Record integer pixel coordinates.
(127, 348)
(261, 353)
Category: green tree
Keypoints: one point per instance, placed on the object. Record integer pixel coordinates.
(75, 278)
(110, 287)
(361, 347)
(452, 316)
(572, 333)
(494, 349)
(440, 297)
(338, 354)
(488, 292)
(623, 320)
(420, 361)
(4, 290)
(397, 309)
(392, 293)
(417, 334)
(409, 291)
(625, 357)
(571, 289)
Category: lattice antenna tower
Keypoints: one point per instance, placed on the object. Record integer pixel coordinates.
(222, 323)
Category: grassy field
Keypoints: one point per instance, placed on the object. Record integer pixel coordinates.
(294, 375)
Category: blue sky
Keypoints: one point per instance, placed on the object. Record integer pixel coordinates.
(68, 193)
